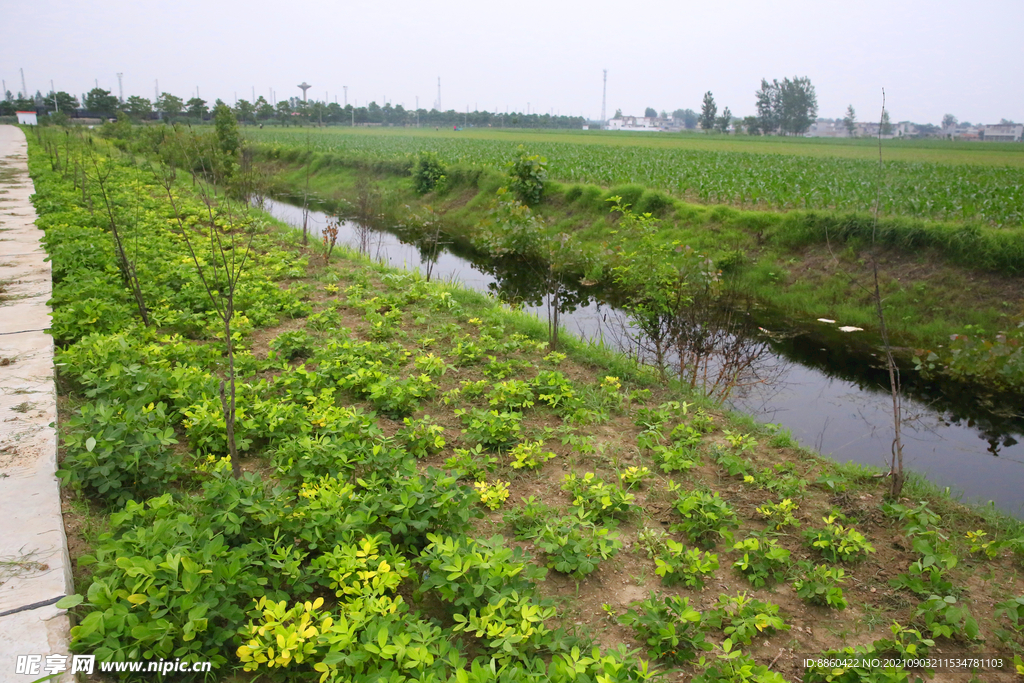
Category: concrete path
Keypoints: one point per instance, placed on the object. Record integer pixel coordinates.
(34, 567)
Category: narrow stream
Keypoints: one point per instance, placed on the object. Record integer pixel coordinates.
(827, 387)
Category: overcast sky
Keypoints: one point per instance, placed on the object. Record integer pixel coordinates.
(932, 57)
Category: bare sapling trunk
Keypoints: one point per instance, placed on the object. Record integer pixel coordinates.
(127, 265)
(220, 279)
(896, 464)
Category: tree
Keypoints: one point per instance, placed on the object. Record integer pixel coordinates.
(769, 106)
(138, 107)
(618, 114)
(687, 116)
(264, 110)
(850, 121)
(66, 102)
(100, 101)
(708, 111)
(651, 113)
(752, 125)
(196, 108)
(948, 121)
(245, 111)
(790, 106)
(885, 126)
(799, 105)
(228, 139)
(169, 105)
(723, 121)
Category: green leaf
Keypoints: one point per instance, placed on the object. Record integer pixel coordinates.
(69, 601)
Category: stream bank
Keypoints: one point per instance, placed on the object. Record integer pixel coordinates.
(828, 388)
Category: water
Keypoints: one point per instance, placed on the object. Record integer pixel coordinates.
(828, 388)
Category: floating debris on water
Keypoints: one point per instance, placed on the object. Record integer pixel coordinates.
(825, 320)
(848, 328)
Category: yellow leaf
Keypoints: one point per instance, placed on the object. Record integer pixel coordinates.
(137, 598)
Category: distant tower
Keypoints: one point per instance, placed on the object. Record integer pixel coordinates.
(305, 86)
(439, 93)
(345, 88)
(24, 88)
(604, 96)
(120, 88)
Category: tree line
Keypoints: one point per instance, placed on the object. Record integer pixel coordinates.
(293, 111)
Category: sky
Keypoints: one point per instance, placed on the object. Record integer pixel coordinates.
(931, 57)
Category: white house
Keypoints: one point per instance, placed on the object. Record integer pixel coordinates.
(635, 123)
(1003, 133)
(26, 118)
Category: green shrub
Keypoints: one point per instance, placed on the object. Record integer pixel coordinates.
(943, 618)
(820, 585)
(397, 397)
(837, 543)
(779, 515)
(689, 566)
(670, 627)
(732, 666)
(742, 618)
(490, 428)
(428, 173)
(307, 458)
(705, 516)
(164, 585)
(474, 572)
(528, 520)
(527, 174)
(292, 345)
(575, 546)
(763, 560)
(120, 452)
(598, 500)
(471, 463)
(529, 455)
(421, 437)
(511, 394)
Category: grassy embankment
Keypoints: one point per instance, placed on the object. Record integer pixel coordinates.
(937, 277)
(353, 383)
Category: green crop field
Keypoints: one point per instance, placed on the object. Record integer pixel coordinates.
(925, 179)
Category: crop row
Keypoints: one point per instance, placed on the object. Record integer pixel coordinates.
(925, 190)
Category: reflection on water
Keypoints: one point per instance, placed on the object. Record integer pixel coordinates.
(829, 391)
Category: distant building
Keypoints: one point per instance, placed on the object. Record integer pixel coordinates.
(636, 123)
(1003, 132)
(827, 128)
(26, 118)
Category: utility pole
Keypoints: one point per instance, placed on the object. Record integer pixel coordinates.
(439, 94)
(54, 91)
(417, 111)
(120, 88)
(345, 88)
(604, 96)
(24, 88)
(156, 90)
